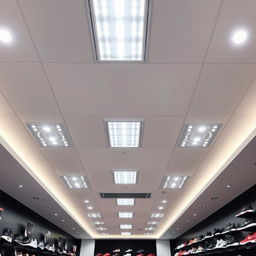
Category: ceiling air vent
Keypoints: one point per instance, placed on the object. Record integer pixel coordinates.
(125, 195)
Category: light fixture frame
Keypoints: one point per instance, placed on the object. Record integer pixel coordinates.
(124, 120)
(93, 34)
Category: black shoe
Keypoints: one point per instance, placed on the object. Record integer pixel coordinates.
(230, 227)
(201, 237)
(248, 223)
(217, 232)
(20, 239)
(7, 235)
(232, 241)
(246, 209)
(208, 235)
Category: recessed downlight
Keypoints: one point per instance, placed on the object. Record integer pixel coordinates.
(119, 29)
(160, 208)
(20, 186)
(89, 207)
(164, 201)
(87, 201)
(5, 36)
(240, 36)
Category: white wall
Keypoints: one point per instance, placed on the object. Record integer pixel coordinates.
(163, 248)
(87, 248)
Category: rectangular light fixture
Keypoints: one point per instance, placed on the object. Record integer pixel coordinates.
(94, 215)
(198, 135)
(49, 135)
(104, 234)
(174, 182)
(101, 228)
(153, 223)
(119, 29)
(98, 223)
(127, 215)
(157, 215)
(124, 134)
(75, 182)
(125, 176)
(150, 228)
(126, 226)
(125, 201)
(125, 233)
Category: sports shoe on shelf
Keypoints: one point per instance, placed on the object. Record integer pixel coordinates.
(232, 241)
(20, 239)
(249, 239)
(128, 254)
(33, 243)
(248, 224)
(200, 249)
(40, 245)
(99, 254)
(106, 254)
(217, 232)
(140, 250)
(220, 244)
(117, 250)
(128, 250)
(211, 246)
(245, 210)
(140, 254)
(7, 235)
(229, 228)
(208, 235)
(116, 254)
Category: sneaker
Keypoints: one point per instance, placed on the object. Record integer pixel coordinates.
(200, 249)
(246, 209)
(211, 246)
(33, 243)
(7, 235)
(229, 228)
(249, 239)
(140, 254)
(41, 245)
(99, 254)
(128, 254)
(232, 241)
(20, 239)
(140, 250)
(117, 250)
(248, 223)
(106, 254)
(217, 232)
(208, 235)
(221, 244)
(129, 250)
(116, 254)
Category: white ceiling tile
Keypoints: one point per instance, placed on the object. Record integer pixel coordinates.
(110, 89)
(5, 108)
(64, 161)
(59, 29)
(185, 161)
(235, 14)
(180, 30)
(139, 158)
(21, 47)
(27, 89)
(219, 83)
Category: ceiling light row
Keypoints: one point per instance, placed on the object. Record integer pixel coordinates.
(174, 182)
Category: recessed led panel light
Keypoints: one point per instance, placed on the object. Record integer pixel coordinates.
(94, 215)
(157, 215)
(5, 36)
(101, 228)
(119, 29)
(198, 135)
(98, 223)
(125, 201)
(124, 134)
(125, 176)
(125, 214)
(174, 182)
(153, 223)
(49, 135)
(125, 233)
(150, 228)
(160, 208)
(125, 226)
(75, 182)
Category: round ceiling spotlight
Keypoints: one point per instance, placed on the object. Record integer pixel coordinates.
(5, 36)
(240, 36)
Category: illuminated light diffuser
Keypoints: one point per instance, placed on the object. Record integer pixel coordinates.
(127, 215)
(125, 201)
(124, 134)
(174, 182)
(49, 135)
(119, 29)
(125, 176)
(126, 226)
(157, 215)
(75, 182)
(94, 215)
(125, 233)
(198, 135)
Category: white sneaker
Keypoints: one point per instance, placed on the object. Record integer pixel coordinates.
(33, 243)
(221, 244)
(129, 250)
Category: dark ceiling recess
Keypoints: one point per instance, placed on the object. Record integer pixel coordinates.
(125, 195)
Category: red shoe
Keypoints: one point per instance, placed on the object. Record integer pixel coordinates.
(107, 254)
(249, 239)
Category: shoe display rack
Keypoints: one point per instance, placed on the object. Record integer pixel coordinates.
(230, 240)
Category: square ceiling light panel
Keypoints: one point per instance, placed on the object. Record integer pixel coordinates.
(125, 233)
(198, 135)
(125, 215)
(125, 176)
(157, 215)
(75, 182)
(124, 134)
(125, 201)
(49, 135)
(173, 182)
(94, 215)
(120, 29)
(126, 226)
